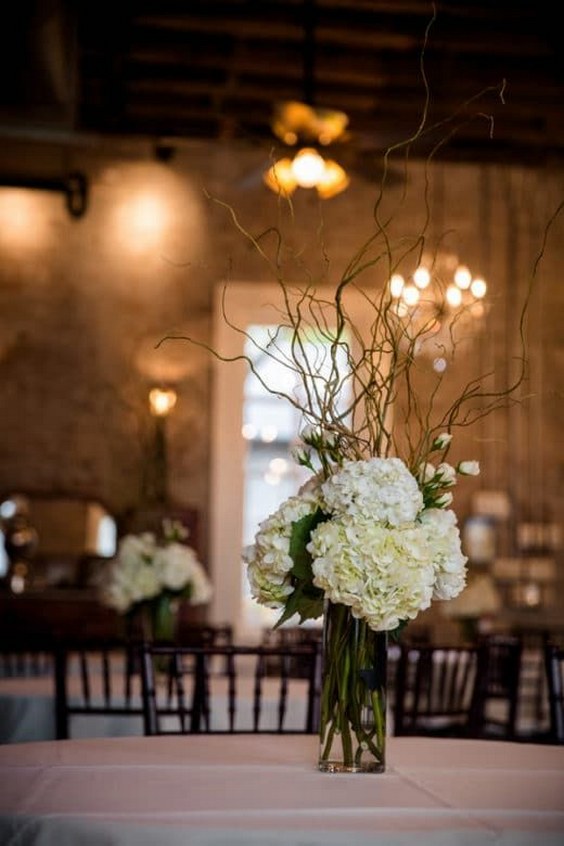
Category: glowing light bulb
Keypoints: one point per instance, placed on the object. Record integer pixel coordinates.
(462, 277)
(453, 296)
(410, 295)
(396, 285)
(421, 277)
(478, 288)
(308, 167)
(162, 401)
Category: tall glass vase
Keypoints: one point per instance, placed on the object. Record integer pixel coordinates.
(159, 617)
(353, 695)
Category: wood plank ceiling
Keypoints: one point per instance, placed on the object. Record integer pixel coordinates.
(174, 69)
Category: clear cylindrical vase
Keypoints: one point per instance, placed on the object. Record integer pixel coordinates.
(159, 618)
(353, 694)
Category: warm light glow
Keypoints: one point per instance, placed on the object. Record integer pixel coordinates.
(24, 216)
(162, 401)
(421, 277)
(333, 180)
(294, 119)
(278, 465)
(410, 295)
(462, 277)
(147, 216)
(268, 434)
(249, 431)
(441, 296)
(143, 220)
(308, 167)
(396, 285)
(280, 178)
(478, 288)
(453, 296)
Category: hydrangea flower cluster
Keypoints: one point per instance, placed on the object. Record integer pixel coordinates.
(145, 568)
(372, 536)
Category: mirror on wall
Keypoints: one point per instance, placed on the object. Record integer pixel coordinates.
(53, 541)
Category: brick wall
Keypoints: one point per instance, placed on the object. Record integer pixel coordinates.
(83, 303)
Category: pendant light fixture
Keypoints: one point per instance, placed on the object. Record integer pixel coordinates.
(310, 129)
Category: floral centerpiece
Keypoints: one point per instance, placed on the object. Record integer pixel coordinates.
(371, 543)
(149, 575)
(370, 540)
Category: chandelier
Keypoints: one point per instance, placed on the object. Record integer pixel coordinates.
(440, 298)
(310, 129)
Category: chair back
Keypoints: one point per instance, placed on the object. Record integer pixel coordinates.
(96, 677)
(554, 666)
(204, 634)
(229, 689)
(434, 690)
(287, 638)
(496, 696)
(25, 656)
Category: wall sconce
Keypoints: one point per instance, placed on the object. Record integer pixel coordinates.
(74, 186)
(161, 403)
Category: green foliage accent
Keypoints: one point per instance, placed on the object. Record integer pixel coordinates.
(306, 600)
(301, 533)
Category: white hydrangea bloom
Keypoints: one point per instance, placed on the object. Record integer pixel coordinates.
(268, 560)
(380, 489)
(445, 546)
(143, 569)
(201, 586)
(385, 575)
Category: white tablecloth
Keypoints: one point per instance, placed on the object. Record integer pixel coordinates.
(247, 789)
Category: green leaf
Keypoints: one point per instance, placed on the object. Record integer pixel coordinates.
(301, 533)
(306, 601)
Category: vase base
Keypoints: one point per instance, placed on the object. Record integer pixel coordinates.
(339, 767)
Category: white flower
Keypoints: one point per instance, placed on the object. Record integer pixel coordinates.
(375, 550)
(298, 455)
(426, 472)
(385, 575)
(143, 569)
(446, 474)
(201, 588)
(308, 434)
(442, 441)
(268, 560)
(380, 489)
(468, 468)
(443, 539)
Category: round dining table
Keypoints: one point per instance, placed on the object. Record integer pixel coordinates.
(220, 790)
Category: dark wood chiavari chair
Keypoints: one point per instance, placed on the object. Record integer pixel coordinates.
(178, 693)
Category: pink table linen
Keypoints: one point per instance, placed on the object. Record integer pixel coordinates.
(247, 782)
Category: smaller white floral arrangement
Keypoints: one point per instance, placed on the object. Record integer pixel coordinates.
(145, 568)
(373, 536)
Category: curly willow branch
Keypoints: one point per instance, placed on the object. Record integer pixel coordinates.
(351, 383)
